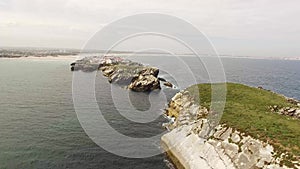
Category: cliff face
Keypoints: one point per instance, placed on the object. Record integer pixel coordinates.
(226, 147)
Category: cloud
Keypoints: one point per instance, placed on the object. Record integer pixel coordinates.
(269, 21)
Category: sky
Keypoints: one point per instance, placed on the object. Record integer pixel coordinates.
(267, 28)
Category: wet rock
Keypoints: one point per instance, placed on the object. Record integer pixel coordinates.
(168, 84)
(162, 79)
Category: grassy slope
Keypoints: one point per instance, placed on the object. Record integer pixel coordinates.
(246, 109)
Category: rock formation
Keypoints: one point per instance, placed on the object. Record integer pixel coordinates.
(144, 82)
(226, 148)
(87, 64)
(135, 76)
(288, 111)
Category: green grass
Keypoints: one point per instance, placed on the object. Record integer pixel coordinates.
(246, 109)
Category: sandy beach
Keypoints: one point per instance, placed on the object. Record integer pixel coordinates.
(48, 58)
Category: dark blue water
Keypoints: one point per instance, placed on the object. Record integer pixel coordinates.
(39, 127)
(38, 124)
(281, 76)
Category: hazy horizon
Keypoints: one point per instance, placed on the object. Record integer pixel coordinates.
(238, 28)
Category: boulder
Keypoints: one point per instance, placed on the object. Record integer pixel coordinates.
(145, 80)
(144, 83)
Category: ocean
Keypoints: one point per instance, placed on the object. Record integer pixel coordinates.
(39, 126)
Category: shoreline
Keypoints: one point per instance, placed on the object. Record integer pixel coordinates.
(45, 58)
(61, 57)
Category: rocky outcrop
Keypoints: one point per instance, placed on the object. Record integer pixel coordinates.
(146, 80)
(183, 110)
(287, 111)
(226, 148)
(135, 76)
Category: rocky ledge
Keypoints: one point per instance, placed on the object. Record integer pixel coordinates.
(226, 148)
(134, 76)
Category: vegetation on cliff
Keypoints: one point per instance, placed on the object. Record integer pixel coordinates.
(247, 109)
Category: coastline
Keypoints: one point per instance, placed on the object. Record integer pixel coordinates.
(186, 149)
(45, 58)
(230, 146)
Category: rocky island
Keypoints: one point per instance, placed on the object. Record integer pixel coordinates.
(259, 128)
(135, 76)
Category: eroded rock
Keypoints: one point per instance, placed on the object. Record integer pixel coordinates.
(226, 148)
(144, 83)
(135, 76)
